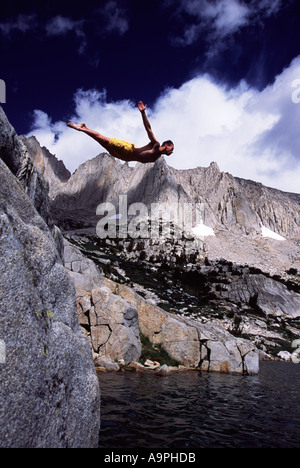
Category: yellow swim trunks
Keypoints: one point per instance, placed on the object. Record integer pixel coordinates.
(121, 149)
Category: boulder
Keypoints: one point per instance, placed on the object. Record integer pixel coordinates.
(106, 364)
(163, 370)
(295, 356)
(137, 366)
(181, 340)
(284, 355)
(111, 321)
(224, 357)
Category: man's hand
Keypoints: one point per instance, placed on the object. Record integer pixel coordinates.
(142, 106)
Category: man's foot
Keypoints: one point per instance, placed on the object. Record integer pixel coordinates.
(78, 127)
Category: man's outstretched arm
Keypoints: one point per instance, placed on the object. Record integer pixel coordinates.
(146, 122)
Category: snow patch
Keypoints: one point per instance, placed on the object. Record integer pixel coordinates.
(268, 233)
(201, 230)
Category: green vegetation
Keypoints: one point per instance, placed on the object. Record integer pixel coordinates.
(155, 353)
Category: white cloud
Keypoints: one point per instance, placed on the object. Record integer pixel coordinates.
(266, 7)
(21, 23)
(115, 18)
(56, 26)
(250, 134)
(216, 20)
(227, 16)
(61, 25)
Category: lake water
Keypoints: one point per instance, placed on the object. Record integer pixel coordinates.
(198, 410)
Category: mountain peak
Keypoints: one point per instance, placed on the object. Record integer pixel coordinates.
(214, 166)
(235, 209)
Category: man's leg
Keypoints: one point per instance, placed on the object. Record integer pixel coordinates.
(102, 140)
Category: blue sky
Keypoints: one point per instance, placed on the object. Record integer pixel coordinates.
(220, 78)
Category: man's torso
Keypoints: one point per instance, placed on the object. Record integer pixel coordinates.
(148, 153)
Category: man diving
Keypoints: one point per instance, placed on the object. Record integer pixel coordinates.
(128, 151)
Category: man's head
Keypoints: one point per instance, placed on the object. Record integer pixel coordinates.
(168, 147)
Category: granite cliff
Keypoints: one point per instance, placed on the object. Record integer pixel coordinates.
(49, 390)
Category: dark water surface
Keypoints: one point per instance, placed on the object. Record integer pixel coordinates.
(199, 410)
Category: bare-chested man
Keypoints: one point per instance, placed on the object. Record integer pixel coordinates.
(127, 151)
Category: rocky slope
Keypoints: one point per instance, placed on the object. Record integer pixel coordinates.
(116, 320)
(49, 390)
(241, 267)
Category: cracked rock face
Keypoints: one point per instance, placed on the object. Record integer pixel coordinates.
(49, 390)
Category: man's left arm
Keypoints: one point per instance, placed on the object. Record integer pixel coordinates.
(146, 122)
